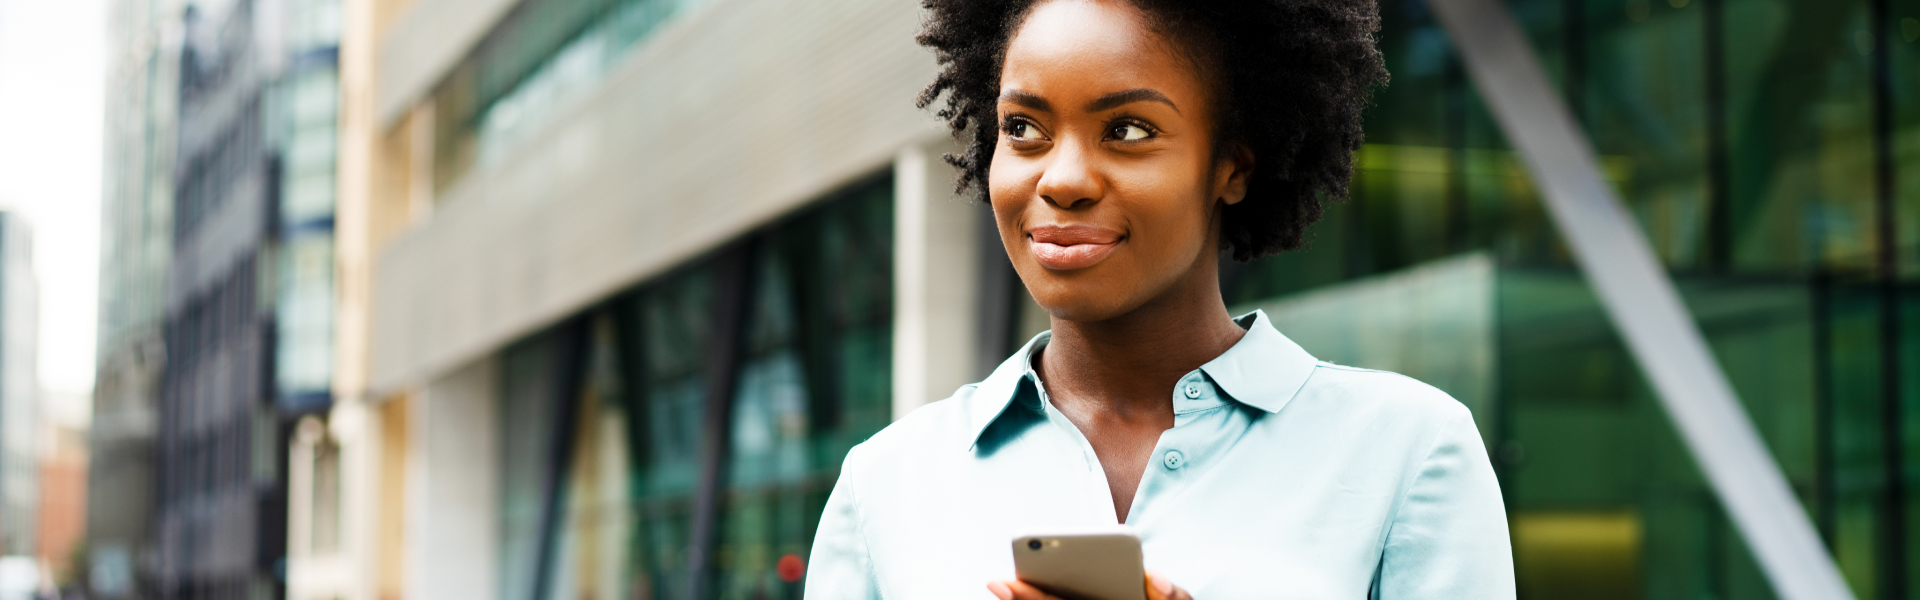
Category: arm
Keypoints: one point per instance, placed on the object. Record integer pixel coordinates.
(1448, 538)
(840, 566)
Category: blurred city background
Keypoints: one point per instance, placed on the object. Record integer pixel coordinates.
(587, 299)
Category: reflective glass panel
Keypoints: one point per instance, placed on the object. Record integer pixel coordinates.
(815, 381)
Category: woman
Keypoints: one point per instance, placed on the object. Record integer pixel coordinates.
(1123, 144)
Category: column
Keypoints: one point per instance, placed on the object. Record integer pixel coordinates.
(452, 497)
(936, 271)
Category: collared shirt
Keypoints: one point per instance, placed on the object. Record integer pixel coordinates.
(1282, 477)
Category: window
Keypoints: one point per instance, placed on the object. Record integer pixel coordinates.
(541, 58)
(606, 440)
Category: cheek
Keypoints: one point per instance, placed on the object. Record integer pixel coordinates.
(1008, 188)
(1172, 217)
(1006, 177)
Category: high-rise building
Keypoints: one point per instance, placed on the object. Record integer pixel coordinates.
(216, 291)
(136, 240)
(348, 463)
(20, 423)
(620, 282)
(221, 494)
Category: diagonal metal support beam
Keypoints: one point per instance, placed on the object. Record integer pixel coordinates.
(1641, 301)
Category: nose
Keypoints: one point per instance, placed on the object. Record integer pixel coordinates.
(1069, 181)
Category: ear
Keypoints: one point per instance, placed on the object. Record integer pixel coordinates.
(1231, 173)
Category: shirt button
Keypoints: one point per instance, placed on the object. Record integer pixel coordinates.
(1173, 459)
(1193, 391)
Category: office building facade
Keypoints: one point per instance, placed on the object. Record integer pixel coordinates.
(21, 429)
(217, 302)
(622, 280)
(220, 494)
(136, 239)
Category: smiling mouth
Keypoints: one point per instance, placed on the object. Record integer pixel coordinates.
(1071, 247)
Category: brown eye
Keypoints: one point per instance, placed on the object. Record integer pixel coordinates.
(1019, 130)
(1128, 132)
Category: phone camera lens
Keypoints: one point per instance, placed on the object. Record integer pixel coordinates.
(1033, 544)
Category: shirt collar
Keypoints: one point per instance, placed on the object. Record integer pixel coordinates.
(1263, 370)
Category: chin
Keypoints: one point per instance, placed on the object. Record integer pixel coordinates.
(1080, 297)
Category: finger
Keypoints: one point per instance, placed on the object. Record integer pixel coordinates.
(1000, 590)
(1007, 590)
(1158, 588)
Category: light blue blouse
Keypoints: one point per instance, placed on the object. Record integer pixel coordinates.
(1282, 477)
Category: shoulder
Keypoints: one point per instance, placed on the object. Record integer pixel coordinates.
(1384, 399)
(1374, 388)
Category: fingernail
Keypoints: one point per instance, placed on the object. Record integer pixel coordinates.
(1000, 590)
(1160, 584)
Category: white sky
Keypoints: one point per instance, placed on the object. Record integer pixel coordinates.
(52, 73)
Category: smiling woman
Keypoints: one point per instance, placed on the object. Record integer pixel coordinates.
(1123, 145)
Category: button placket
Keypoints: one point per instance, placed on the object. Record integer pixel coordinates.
(1095, 485)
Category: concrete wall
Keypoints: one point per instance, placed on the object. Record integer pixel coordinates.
(730, 116)
(424, 43)
(452, 489)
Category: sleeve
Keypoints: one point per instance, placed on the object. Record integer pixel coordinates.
(1448, 539)
(840, 566)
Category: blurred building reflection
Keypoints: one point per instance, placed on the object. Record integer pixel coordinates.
(587, 299)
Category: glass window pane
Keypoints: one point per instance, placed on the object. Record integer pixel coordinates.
(303, 357)
(814, 383)
(1605, 500)
(592, 561)
(529, 411)
(541, 58)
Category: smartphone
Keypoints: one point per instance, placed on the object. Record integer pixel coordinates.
(1099, 565)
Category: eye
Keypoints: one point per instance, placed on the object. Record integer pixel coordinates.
(1020, 129)
(1128, 132)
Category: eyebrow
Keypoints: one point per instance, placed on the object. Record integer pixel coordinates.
(1119, 99)
(1027, 99)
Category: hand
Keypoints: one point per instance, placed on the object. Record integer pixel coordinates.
(1158, 588)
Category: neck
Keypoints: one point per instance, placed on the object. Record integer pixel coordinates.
(1130, 363)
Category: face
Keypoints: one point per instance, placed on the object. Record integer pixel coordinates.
(1104, 181)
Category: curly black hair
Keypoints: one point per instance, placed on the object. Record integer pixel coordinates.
(1296, 75)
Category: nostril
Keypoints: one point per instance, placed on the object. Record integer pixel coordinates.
(1067, 205)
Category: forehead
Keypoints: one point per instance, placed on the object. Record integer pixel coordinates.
(1072, 48)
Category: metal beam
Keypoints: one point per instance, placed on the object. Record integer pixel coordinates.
(569, 378)
(726, 346)
(1641, 301)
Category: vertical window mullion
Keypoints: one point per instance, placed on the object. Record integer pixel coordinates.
(569, 375)
(724, 352)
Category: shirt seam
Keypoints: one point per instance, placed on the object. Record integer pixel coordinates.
(1353, 369)
(1406, 489)
(860, 524)
(1203, 409)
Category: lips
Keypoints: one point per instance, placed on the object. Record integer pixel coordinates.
(1070, 247)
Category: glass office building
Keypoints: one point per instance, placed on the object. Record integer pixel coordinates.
(756, 369)
(675, 435)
